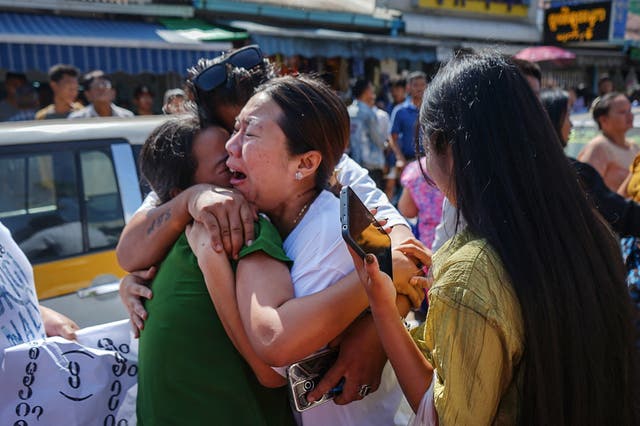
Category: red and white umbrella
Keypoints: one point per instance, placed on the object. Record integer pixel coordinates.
(545, 53)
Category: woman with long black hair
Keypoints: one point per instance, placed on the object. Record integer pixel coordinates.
(623, 215)
(556, 103)
(529, 317)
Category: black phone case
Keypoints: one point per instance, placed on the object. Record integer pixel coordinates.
(351, 205)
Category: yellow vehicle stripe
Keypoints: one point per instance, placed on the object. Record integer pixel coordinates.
(69, 275)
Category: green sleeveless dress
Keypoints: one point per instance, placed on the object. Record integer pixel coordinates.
(189, 371)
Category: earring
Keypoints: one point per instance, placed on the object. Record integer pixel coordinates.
(298, 175)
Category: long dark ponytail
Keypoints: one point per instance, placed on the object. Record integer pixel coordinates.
(515, 188)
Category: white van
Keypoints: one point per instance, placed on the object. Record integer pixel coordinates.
(67, 189)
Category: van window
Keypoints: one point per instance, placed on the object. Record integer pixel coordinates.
(40, 188)
(12, 190)
(39, 204)
(61, 203)
(27, 185)
(102, 200)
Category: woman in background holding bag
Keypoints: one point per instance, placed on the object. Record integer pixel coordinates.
(529, 321)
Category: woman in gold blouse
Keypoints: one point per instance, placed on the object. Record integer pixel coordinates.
(529, 318)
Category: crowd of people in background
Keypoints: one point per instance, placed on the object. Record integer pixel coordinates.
(526, 296)
(383, 141)
(69, 94)
(484, 328)
(68, 90)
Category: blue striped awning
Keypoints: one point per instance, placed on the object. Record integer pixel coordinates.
(22, 57)
(311, 47)
(30, 42)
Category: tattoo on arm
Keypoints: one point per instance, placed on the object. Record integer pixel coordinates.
(159, 220)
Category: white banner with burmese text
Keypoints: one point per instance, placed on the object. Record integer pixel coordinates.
(55, 381)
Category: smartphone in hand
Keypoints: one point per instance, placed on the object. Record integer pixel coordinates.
(303, 376)
(362, 231)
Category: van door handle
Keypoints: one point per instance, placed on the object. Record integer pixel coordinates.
(98, 290)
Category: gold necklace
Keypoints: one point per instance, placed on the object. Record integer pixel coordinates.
(301, 212)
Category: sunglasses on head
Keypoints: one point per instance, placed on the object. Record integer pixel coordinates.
(216, 75)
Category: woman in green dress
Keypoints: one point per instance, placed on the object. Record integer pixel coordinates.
(192, 369)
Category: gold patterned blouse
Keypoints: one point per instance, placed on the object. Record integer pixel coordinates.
(633, 187)
(473, 335)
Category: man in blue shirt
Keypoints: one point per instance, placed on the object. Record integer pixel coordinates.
(398, 89)
(367, 143)
(404, 123)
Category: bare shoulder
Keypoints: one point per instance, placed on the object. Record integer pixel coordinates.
(598, 141)
(598, 146)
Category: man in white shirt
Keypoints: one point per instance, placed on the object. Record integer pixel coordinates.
(100, 92)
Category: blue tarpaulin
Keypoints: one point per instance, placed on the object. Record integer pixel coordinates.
(22, 57)
(36, 42)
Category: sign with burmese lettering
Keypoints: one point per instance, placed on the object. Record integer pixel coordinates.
(55, 381)
(578, 23)
(502, 8)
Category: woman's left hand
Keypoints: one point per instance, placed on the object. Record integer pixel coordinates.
(416, 251)
(225, 214)
(357, 370)
(409, 258)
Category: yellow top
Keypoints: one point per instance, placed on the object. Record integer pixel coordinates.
(633, 187)
(50, 111)
(473, 335)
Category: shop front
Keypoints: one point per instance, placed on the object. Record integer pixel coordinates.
(132, 52)
(342, 56)
(595, 32)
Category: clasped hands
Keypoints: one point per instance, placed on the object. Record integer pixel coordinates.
(410, 259)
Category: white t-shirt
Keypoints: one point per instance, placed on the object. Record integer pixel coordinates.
(90, 111)
(150, 201)
(349, 173)
(320, 256)
(320, 259)
(20, 319)
(446, 229)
